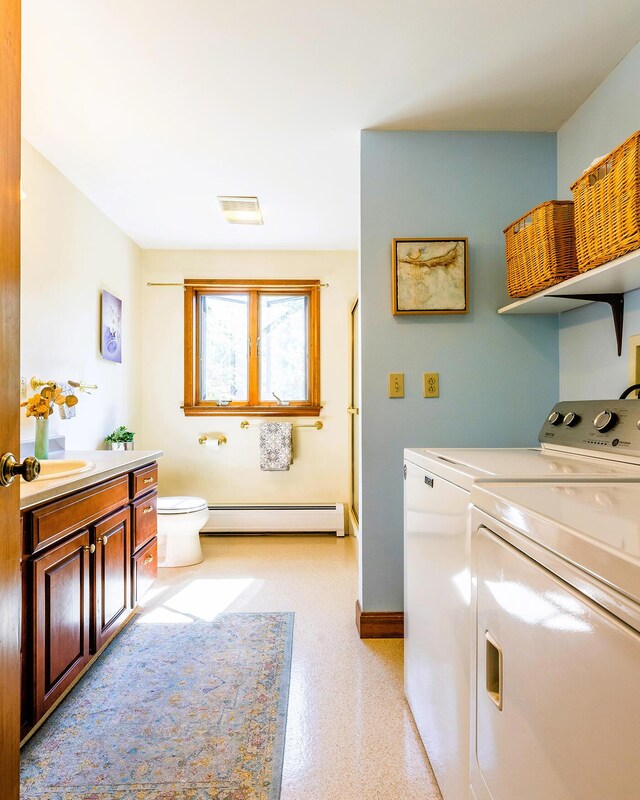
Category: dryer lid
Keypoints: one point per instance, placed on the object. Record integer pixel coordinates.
(181, 505)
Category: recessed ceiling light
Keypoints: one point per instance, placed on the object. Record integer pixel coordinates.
(241, 210)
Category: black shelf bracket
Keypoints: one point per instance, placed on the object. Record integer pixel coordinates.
(615, 301)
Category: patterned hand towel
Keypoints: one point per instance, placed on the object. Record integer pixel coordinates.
(276, 453)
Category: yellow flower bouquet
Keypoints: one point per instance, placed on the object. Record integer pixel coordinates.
(41, 406)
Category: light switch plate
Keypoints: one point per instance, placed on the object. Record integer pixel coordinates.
(396, 384)
(431, 384)
(634, 359)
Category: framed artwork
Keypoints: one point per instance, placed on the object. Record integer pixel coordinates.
(111, 328)
(430, 276)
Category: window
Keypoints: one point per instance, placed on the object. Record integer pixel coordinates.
(252, 347)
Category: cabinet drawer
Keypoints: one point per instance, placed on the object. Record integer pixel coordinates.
(53, 522)
(145, 519)
(145, 570)
(143, 479)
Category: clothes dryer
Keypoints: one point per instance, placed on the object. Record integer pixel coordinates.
(556, 602)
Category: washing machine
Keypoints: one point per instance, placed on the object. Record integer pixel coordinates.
(555, 706)
(579, 441)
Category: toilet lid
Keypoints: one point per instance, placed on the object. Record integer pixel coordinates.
(181, 505)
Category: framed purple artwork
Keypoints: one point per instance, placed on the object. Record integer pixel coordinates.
(111, 328)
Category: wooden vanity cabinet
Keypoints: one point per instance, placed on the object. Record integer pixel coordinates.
(88, 558)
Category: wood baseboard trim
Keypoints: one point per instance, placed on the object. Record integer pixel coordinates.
(379, 624)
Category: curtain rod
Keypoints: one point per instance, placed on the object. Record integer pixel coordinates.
(242, 286)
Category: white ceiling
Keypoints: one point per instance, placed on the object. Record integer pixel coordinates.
(154, 107)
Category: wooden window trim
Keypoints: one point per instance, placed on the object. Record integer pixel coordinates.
(193, 406)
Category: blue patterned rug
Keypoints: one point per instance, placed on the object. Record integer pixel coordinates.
(172, 712)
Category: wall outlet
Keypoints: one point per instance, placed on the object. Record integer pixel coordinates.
(431, 384)
(396, 384)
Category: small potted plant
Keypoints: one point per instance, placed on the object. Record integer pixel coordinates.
(120, 439)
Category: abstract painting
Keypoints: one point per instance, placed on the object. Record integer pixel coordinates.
(429, 276)
(111, 328)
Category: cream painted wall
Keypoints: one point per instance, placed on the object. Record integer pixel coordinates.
(70, 252)
(230, 474)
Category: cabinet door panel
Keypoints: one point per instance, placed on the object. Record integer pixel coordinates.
(61, 603)
(112, 591)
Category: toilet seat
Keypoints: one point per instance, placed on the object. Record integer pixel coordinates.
(181, 505)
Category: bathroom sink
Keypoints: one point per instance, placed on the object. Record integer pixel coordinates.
(62, 467)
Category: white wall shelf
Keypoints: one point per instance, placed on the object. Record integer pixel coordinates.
(607, 283)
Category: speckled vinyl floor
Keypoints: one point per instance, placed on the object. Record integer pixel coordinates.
(349, 732)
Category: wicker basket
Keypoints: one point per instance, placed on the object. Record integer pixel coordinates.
(540, 248)
(607, 206)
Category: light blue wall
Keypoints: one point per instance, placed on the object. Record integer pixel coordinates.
(498, 375)
(589, 364)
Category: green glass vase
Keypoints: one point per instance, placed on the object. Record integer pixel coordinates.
(41, 448)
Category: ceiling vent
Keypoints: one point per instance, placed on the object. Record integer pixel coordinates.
(241, 210)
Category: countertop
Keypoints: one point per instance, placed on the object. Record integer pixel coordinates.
(108, 463)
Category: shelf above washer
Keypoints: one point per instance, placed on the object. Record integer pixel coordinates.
(605, 284)
(615, 277)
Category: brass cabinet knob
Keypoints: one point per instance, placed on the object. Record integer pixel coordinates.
(148, 560)
(10, 469)
(149, 480)
(89, 548)
(103, 540)
(147, 510)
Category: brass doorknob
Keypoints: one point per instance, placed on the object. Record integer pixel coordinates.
(10, 469)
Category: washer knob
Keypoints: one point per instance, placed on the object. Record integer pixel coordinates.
(555, 418)
(605, 421)
(571, 419)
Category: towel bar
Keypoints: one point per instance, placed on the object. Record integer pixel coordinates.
(318, 425)
(37, 383)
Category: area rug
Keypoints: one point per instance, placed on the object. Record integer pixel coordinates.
(172, 712)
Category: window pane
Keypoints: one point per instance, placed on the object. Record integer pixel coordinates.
(223, 347)
(284, 345)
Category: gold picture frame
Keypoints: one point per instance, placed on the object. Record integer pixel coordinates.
(430, 276)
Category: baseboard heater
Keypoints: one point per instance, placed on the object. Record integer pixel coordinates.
(304, 518)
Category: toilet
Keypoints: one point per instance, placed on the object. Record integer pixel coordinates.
(180, 520)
